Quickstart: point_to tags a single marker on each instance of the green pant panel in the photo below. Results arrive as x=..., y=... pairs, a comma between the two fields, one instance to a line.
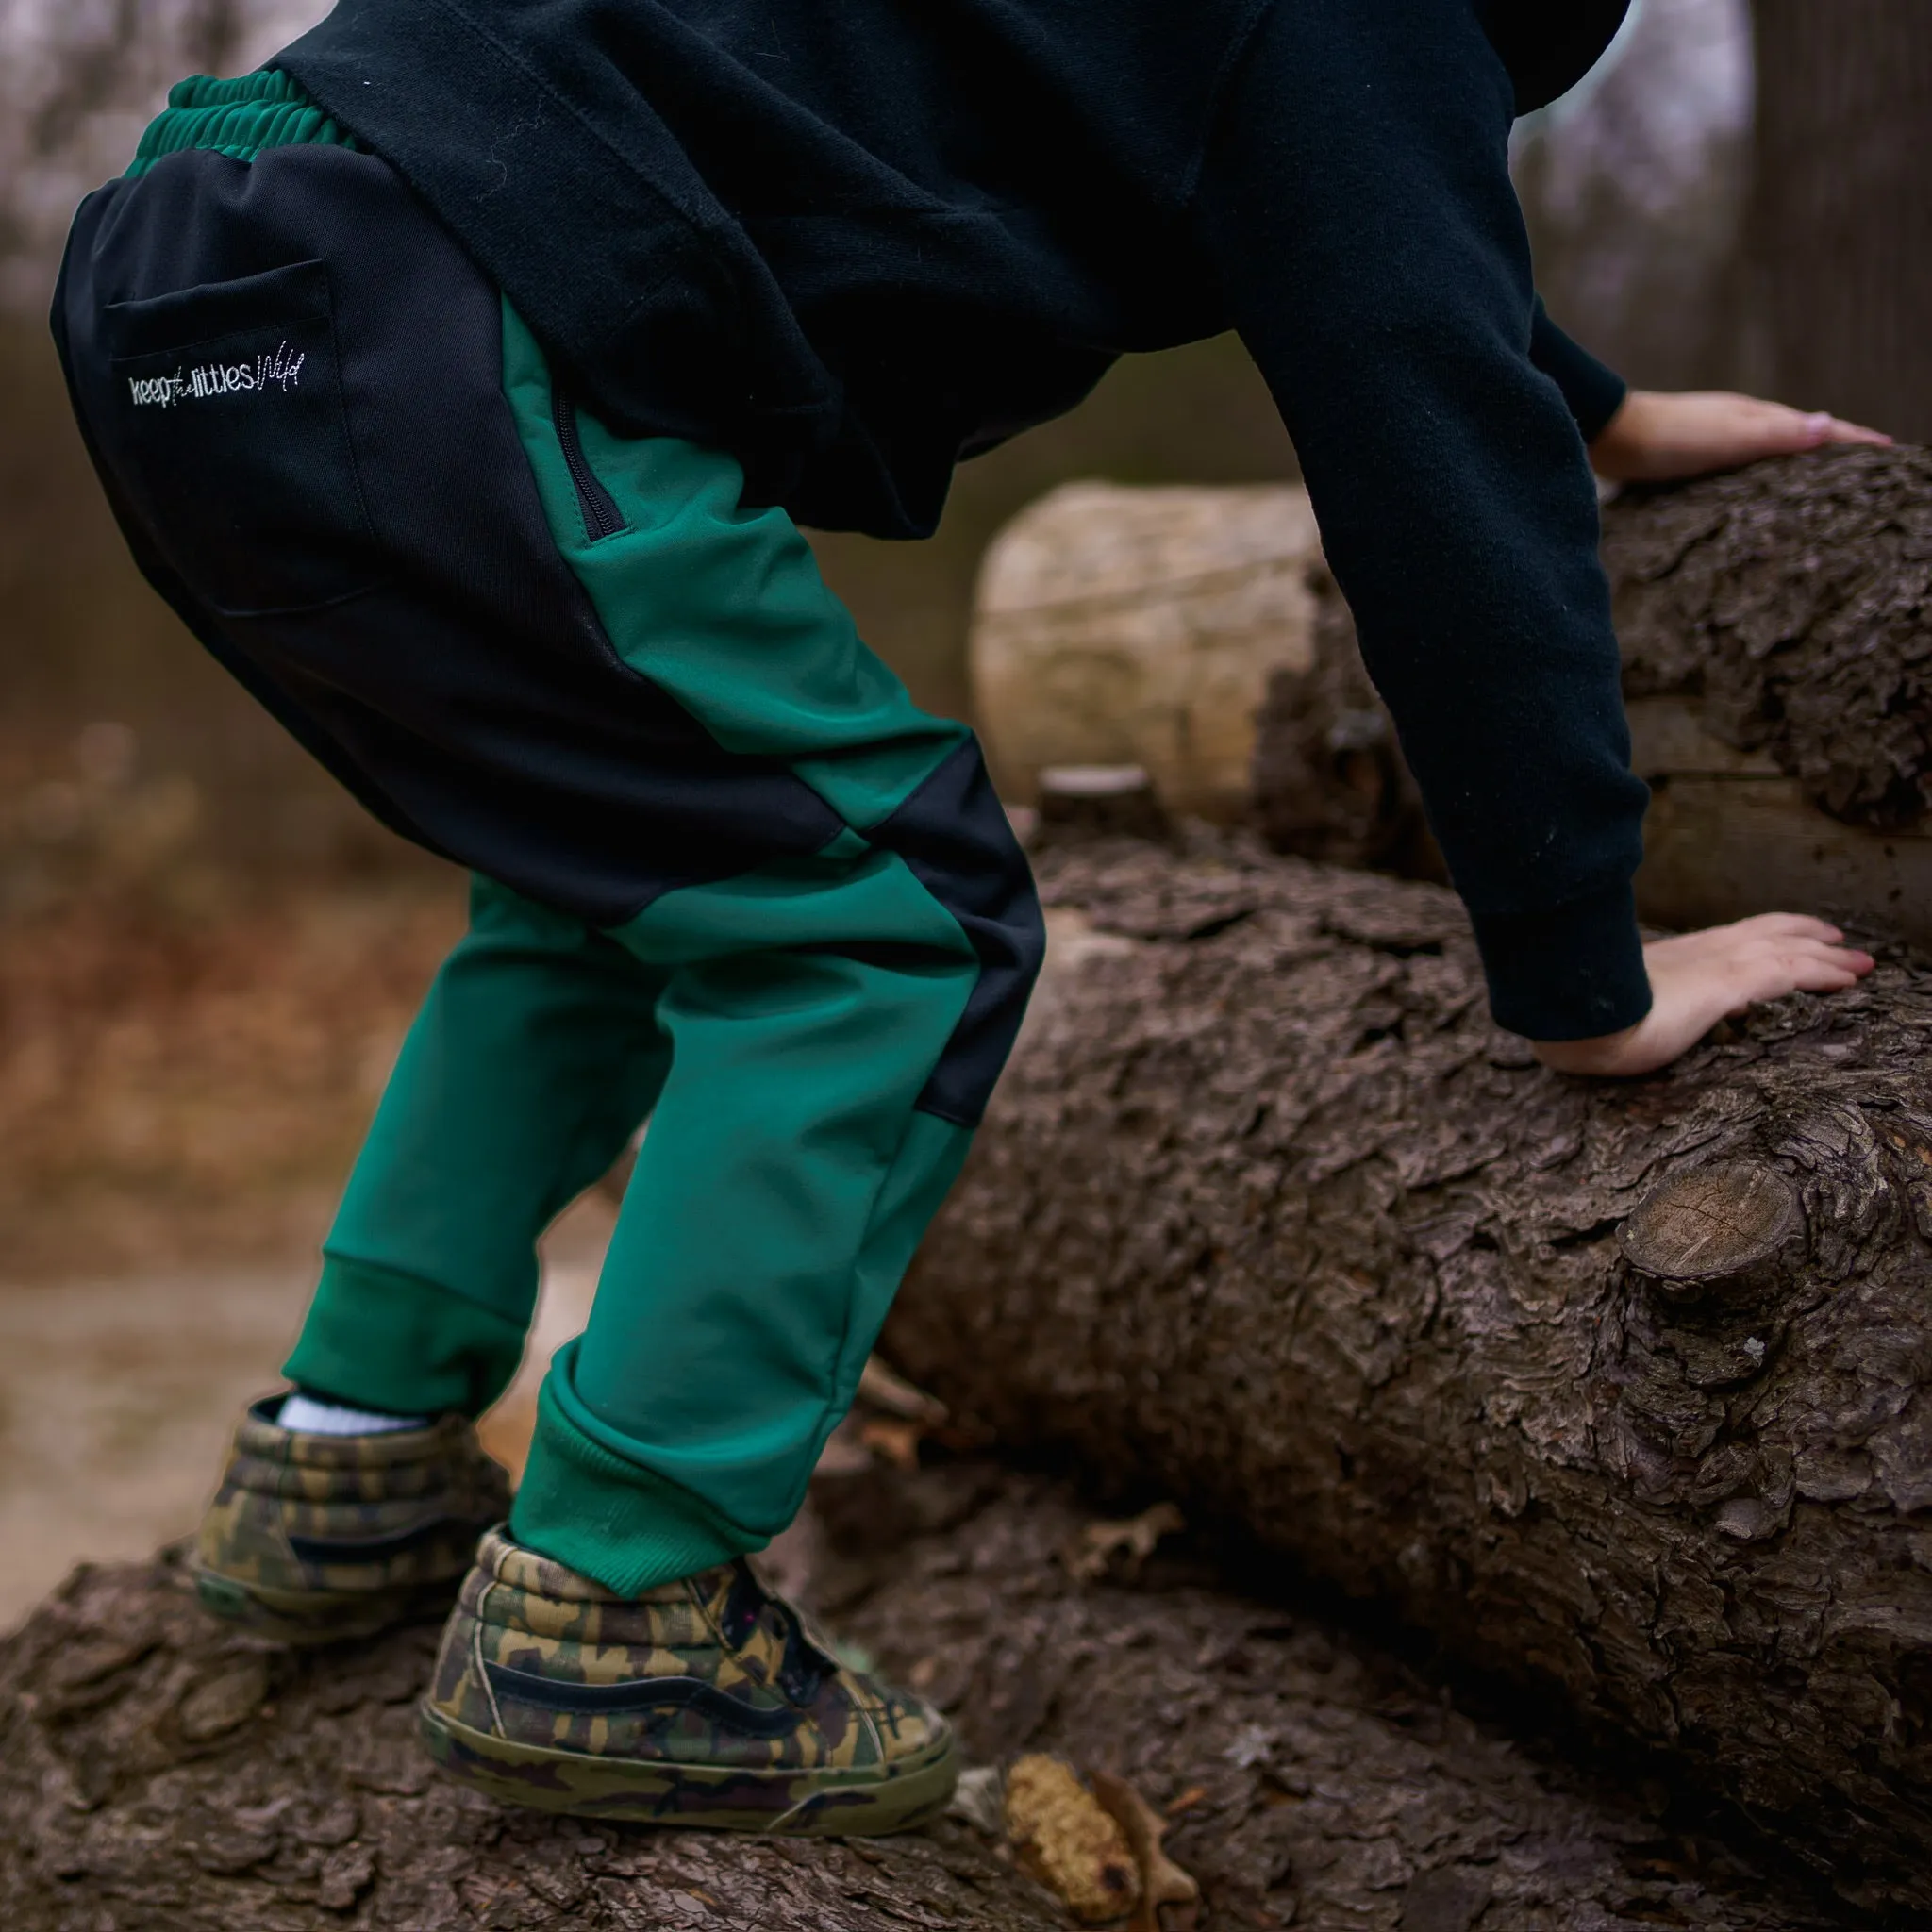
x=724, y=607
x=535, y=1056
x=778, y=1028
x=790, y=1101
x=779, y=1194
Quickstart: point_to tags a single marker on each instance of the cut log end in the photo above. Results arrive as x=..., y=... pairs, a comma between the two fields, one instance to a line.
x=1712, y=1226
x=1100, y=801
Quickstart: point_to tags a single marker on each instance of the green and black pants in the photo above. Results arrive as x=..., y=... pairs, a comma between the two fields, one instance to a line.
x=727, y=875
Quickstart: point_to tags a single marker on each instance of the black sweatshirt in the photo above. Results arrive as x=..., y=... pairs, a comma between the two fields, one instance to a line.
x=855, y=241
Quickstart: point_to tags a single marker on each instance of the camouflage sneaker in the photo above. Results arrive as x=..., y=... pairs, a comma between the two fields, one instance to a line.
x=706, y=1702
x=313, y=1538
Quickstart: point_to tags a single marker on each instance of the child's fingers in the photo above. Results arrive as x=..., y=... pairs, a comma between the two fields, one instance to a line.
x=1796, y=926
x=1716, y=940
x=1770, y=969
x=1828, y=428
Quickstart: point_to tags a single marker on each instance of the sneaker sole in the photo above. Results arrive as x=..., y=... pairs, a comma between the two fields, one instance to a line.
x=312, y=1617
x=830, y=1802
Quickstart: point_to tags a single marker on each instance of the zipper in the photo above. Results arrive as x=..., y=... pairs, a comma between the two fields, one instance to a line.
x=602, y=517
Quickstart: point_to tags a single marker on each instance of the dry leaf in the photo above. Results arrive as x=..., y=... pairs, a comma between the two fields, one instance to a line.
x=1187, y=1801
x=1069, y=1842
x=1124, y=1546
x=979, y=1799
x=883, y=1388
x=897, y=1442
x=1162, y=1882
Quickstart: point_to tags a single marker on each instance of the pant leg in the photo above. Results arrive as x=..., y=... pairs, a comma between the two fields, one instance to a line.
x=582, y=665
x=838, y=1018
x=532, y=1060
x=786, y=1177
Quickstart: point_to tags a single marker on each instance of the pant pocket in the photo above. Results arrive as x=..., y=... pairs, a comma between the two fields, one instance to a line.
x=225, y=428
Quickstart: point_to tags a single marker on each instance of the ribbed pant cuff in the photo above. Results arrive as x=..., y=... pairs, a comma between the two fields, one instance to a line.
x=612, y=1519
x=376, y=1338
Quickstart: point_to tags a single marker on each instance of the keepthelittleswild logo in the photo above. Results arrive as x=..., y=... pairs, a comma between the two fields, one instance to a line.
x=277, y=370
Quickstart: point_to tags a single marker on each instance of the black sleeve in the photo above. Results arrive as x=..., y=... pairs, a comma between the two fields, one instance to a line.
x=1355, y=201
x=1593, y=392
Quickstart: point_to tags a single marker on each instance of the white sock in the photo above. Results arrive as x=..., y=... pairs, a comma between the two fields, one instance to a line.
x=317, y=1418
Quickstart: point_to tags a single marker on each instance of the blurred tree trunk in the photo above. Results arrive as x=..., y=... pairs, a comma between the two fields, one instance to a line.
x=1842, y=217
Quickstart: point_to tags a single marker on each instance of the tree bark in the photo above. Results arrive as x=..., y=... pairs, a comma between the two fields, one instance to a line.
x=1776, y=631
x=1618, y=1389
x=1776, y=627
x=1792, y=604
x=157, y=1773
x=1841, y=225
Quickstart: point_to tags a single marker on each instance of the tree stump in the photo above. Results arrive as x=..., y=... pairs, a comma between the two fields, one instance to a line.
x=1137, y=627
x=161, y=1773
x=1620, y=1389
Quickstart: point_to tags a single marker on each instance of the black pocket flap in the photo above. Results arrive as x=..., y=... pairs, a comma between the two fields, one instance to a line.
x=177, y=321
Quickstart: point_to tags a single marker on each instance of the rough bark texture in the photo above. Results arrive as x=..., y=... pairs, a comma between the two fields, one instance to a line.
x=1840, y=228
x=1777, y=628
x=1328, y=779
x=157, y=1773
x=1794, y=601
x=1268, y=1215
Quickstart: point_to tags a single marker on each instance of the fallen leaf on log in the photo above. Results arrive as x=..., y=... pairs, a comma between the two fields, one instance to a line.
x=980, y=1799
x=897, y=1441
x=1068, y=1841
x=1120, y=1547
x=1162, y=1882
x=880, y=1386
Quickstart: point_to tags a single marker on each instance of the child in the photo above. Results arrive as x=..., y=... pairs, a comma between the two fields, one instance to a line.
x=461, y=381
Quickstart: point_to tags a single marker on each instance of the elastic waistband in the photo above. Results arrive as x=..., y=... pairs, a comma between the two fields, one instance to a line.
x=238, y=118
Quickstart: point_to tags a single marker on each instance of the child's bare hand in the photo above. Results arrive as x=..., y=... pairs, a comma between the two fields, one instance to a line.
x=1697, y=978
x=1658, y=437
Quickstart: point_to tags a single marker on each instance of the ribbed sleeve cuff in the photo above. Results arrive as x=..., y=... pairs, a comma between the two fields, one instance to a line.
x=1593, y=392
x=1571, y=973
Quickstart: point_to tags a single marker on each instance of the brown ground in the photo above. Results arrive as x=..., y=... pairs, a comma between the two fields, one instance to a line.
x=181, y=1088
x=184, y=1083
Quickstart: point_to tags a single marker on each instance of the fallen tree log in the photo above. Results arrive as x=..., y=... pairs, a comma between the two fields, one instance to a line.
x=1118, y=627
x=1777, y=628
x=1618, y=1388
x=158, y=1772
x=1776, y=632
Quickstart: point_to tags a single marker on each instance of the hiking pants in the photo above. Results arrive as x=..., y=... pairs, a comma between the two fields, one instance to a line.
x=727, y=875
